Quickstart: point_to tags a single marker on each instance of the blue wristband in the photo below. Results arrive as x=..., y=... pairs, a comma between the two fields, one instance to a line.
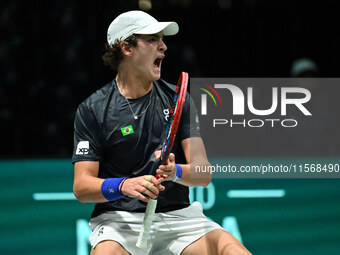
x=178, y=173
x=110, y=188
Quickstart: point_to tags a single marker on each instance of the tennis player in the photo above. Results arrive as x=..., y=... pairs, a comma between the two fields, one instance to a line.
x=117, y=137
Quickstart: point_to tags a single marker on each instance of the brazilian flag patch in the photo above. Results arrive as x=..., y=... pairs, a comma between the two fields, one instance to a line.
x=128, y=130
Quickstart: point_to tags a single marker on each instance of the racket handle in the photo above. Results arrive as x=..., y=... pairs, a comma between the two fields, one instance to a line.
x=147, y=222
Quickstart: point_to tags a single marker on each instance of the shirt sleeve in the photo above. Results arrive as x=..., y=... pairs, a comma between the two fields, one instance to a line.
x=87, y=136
x=189, y=124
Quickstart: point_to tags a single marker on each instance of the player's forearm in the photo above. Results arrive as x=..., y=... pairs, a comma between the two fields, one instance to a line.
x=88, y=190
x=197, y=158
x=190, y=177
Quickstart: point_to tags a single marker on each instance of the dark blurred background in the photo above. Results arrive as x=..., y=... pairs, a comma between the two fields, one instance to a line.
x=51, y=55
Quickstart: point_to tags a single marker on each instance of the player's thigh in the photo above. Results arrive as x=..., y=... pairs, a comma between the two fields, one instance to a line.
x=216, y=242
x=109, y=247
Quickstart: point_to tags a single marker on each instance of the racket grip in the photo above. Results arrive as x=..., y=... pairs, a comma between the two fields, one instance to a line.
x=147, y=222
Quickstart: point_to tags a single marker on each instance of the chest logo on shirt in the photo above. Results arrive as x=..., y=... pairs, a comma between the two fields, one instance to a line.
x=128, y=130
x=166, y=114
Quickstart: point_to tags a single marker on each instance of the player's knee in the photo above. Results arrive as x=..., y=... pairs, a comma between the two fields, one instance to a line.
x=234, y=249
x=109, y=248
x=107, y=252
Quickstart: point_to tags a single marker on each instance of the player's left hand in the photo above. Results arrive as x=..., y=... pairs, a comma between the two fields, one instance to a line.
x=166, y=172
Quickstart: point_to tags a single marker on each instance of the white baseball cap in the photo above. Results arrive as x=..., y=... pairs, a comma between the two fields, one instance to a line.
x=137, y=22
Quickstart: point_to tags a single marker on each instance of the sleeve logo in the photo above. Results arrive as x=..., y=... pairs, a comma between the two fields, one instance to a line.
x=83, y=148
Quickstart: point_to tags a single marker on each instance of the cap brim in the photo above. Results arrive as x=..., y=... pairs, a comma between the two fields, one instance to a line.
x=168, y=28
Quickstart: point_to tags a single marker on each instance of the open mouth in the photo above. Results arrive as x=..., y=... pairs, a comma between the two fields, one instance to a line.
x=157, y=63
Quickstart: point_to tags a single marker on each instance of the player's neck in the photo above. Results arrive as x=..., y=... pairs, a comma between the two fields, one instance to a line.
x=131, y=86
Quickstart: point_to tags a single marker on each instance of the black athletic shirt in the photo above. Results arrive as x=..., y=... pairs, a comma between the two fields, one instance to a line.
x=106, y=131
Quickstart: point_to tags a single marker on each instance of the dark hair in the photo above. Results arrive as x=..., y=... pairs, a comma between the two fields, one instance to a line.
x=113, y=55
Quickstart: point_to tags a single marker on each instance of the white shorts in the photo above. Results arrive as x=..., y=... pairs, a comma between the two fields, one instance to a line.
x=170, y=232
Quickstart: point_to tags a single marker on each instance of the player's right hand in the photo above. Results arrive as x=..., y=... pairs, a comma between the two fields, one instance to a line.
x=143, y=185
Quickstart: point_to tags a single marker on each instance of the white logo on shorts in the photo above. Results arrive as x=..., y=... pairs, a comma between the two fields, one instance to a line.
x=83, y=148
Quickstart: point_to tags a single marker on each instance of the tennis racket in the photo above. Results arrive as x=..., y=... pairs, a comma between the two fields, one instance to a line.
x=170, y=135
